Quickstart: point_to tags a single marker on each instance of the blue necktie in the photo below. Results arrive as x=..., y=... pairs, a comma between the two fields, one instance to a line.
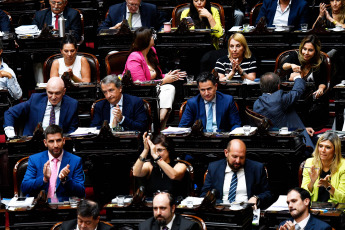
x=233, y=187
x=209, y=124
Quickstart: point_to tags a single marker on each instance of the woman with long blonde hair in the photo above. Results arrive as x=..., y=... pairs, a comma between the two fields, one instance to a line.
x=333, y=16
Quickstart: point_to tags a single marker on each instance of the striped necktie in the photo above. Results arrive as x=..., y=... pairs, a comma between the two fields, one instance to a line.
x=233, y=187
x=52, y=115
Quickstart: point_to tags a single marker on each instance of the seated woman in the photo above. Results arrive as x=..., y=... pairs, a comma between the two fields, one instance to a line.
x=144, y=66
x=239, y=64
x=333, y=16
x=308, y=63
x=76, y=66
x=204, y=16
x=324, y=173
x=162, y=172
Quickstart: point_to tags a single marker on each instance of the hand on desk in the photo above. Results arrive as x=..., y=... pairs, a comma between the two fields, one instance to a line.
x=288, y=226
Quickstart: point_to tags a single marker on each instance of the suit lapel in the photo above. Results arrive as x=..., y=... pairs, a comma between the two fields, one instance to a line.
x=221, y=178
x=106, y=112
x=42, y=109
x=48, y=18
x=202, y=115
x=63, y=111
x=127, y=107
x=249, y=179
x=310, y=224
x=177, y=222
x=143, y=16
x=218, y=110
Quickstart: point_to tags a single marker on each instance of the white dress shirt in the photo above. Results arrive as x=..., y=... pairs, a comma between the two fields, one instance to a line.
x=214, y=122
x=136, y=19
x=241, y=191
x=12, y=84
x=282, y=18
x=303, y=223
x=46, y=118
x=169, y=225
x=54, y=19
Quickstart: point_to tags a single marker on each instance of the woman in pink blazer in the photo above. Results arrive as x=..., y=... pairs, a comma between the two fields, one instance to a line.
x=144, y=66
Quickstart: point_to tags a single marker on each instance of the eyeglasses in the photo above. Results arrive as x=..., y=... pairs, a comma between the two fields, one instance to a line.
x=56, y=3
x=160, y=150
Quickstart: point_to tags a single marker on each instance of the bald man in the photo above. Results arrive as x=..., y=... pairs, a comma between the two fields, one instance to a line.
x=52, y=107
x=238, y=179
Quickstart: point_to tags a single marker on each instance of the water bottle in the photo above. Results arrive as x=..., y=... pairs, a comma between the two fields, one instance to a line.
x=61, y=26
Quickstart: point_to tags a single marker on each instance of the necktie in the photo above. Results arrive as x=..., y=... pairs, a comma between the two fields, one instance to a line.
x=209, y=126
x=165, y=228
x=297, y=227
x=52, y=180
x=57, y=21
x=52, y=116
x=233, y=187
x=130, y=20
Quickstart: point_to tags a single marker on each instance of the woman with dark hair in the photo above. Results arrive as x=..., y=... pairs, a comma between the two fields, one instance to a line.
x=162, y=172
x=324, y=173
x=239, y=64
x=308, y=63
x=143, y=64
x=204, y=16
x=333, y=16
x=77, y=66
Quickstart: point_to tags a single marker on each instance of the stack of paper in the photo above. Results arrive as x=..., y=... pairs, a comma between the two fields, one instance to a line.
x=27, y=29
x=21, y=202
x=279, y=205
x=85, y=131
x=195, y=200
x=176, y=130
x=239, y=131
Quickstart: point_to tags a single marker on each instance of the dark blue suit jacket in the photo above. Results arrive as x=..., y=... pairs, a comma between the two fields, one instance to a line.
x=5, y=24
x=133, y=110
x=298, y=12
x=33, y=182
x=148, y=14
x=256, y=181
x=180, y=223
x=227, y=114
x=73, y=21
x=33, y=111
x=313, y=223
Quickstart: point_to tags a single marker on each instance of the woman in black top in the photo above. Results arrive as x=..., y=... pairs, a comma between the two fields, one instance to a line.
x=333, y=16
x=308, y=63
x=162, y=173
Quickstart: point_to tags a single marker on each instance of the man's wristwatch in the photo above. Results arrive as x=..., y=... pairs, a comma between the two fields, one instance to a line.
x=257, y=200
x=157, y=159
x=142, y=159
x=329, y=188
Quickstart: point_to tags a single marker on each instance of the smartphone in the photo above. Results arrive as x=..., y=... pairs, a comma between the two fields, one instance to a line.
x=189, y=20
x=21, y=198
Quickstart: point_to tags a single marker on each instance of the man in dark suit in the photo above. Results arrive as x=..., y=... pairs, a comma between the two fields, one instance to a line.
x=217, y=111
x=298, y=200
x=236, y=178
x=164, y=216
x=277, y=105
x=288, y=12
x=138, y=14
x=5, y=24
x=52, y=107
x=55, y=170
x=51, y=16
x=119, y=109
x=88, y=218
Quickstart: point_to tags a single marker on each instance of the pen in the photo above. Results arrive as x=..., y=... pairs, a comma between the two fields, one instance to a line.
x=310, y=168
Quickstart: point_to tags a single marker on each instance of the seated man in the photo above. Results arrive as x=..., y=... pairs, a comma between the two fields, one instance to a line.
x=277, y=105
x=52, y=107
x=138, y=14
x=164, y=216
x=56, y=171
x=5, y=23
x=88, y=218
x=51, y=16
x=236, y=178
x=123, y=109
x=8, y=78
x=287, y=12
x=298, y=200
x=217, y=111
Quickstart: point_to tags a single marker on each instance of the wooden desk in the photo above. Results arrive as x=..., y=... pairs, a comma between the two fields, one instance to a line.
x=222, y=217
x=2, y=218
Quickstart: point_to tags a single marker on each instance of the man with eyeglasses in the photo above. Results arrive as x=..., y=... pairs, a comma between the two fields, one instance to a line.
x=164, y=217
x=50, y=16
x=52, y=107
x=137, y=13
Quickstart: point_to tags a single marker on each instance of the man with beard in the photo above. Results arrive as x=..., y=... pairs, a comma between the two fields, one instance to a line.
x=298, y=200
x=236, y=178
x=56, y=171
x=164, y=216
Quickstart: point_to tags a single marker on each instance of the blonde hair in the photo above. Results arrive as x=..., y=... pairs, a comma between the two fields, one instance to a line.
x=342, y=12
x=334, y=139
x=241, y=39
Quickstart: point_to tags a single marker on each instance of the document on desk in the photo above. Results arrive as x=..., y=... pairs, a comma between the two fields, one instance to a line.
x=21, y=202
x=85, y=131
x=279, y=205
x=239, y=131
x=176, y=130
